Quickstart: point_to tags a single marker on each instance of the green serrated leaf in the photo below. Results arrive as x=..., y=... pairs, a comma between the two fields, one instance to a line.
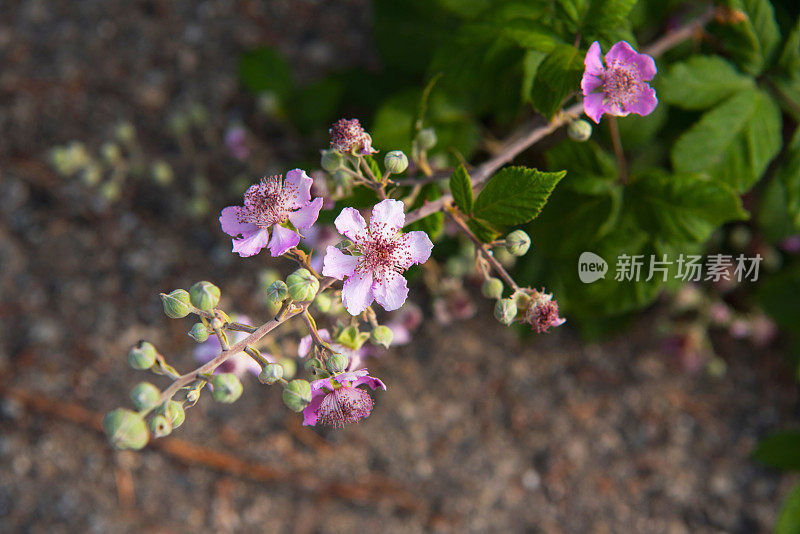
x=482, y=230
x=515, y=195
x=734, y=141
x=263, y=69
x=789, y=517
x=558, y=75
x=780, y=451
x=461, y=189
x=373, y=166
x=434, y=223
x=682, y=207
x=607, y=19
x=700, y=82
x=752, y=41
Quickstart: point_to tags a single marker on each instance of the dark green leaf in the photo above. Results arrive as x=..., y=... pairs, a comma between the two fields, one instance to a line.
x=789, y=59
x=606, y=19
x=734, y=141
x=530, y=66
x=558, y=75
x=700, y=82
x=780, y=451
x=682, y=207
x=263, y=69
x=373, y=166
x=515, y=195
x=461, y=189
x=482, y=230
x=789, y=517
x=432, y=224
x=751, y=41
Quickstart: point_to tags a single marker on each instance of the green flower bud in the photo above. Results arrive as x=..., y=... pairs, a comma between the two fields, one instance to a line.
x=277, y=292
x=302, y=285
x=338, y=363
x=145, y=395
x=227, y=388
x=271, y=373
x=297, y=395
x=142, y=356
x=174, y=412
x=331, y=160
x=395, y=162
x=505, y=310
x=492, y=288
x=313, y=365
x=351, y=338
x=426, y=138
x=125, y=429
x=160, y=426
x=199, y=332
x=522, y=300
x=579, y=130
x=204, y=296
x=381, y=335
x=289, y=367
x=177, y=304
x=518, y=243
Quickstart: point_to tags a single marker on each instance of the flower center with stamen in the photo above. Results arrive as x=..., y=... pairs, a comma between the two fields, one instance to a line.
x=621, y=84
x=268, y=202
x=344, y=405
x=381, y=255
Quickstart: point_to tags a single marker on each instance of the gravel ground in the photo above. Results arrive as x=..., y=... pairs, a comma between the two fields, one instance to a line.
x=479, y=431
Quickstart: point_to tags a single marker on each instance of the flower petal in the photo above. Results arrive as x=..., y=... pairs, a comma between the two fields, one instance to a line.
x=351, y=224
x=338, y=264
x=304, y=347
x=231, y=225
x=594, y=65
x=251, y=242
x=306, y=216
x=646, y=101
x=646, y=66
x=282, y=240
x=388, y=218
x=311, y=412
x=298, y=185
x=391, y=291
x=420, y=246
x=621, y=52
x=357, y=292
x=372, y=382
x=590, y=82
x=593, y=106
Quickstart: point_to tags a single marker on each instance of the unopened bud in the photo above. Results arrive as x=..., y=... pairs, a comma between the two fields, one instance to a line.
x=125, y=429
x=492, y=288
x=227, y=388
x=518, y=243
x=271, y=373
x=204, y=296
x=381, y=335
x=160, y=426
x=289, y=367
x=351, y=338
x=277, y=292
x=302, y=285
x=395, y=162
x=426, y=138
x=331, y=160
x=145, y=395
x=522, y=300
x=174, y=412
x=297, y=395
x=579, y=130
x=338, y=363
x=505, y=310
x=142, y=356
x=199, y=332
x=177, y=304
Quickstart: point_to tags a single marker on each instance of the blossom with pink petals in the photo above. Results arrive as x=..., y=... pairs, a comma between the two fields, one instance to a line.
x=543, y=313
x=620, y=87
x=283, y=205
x=384, y=252
x=238, y=364
x=337, y=400
x=348, y=137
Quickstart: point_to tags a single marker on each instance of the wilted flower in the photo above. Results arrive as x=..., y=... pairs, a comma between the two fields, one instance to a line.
x=238, y=364
x=385, y=253
x=542, y=314
x=355, y=356
x=348, y=137
x=282, y=205
x=620, y=87
x=337, y=400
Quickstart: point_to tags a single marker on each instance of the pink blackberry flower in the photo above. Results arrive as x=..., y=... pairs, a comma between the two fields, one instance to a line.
x=337, y=400
x=355, y=357
x=384, y=252
x=543, y=313
x=348, y=137
x=283, y=205
x=620, y=87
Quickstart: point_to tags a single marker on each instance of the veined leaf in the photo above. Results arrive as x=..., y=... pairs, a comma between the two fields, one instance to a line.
x=700, y=82
x=753, y=40
x=515, y=195
x=558, y=75
x=461, y=188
